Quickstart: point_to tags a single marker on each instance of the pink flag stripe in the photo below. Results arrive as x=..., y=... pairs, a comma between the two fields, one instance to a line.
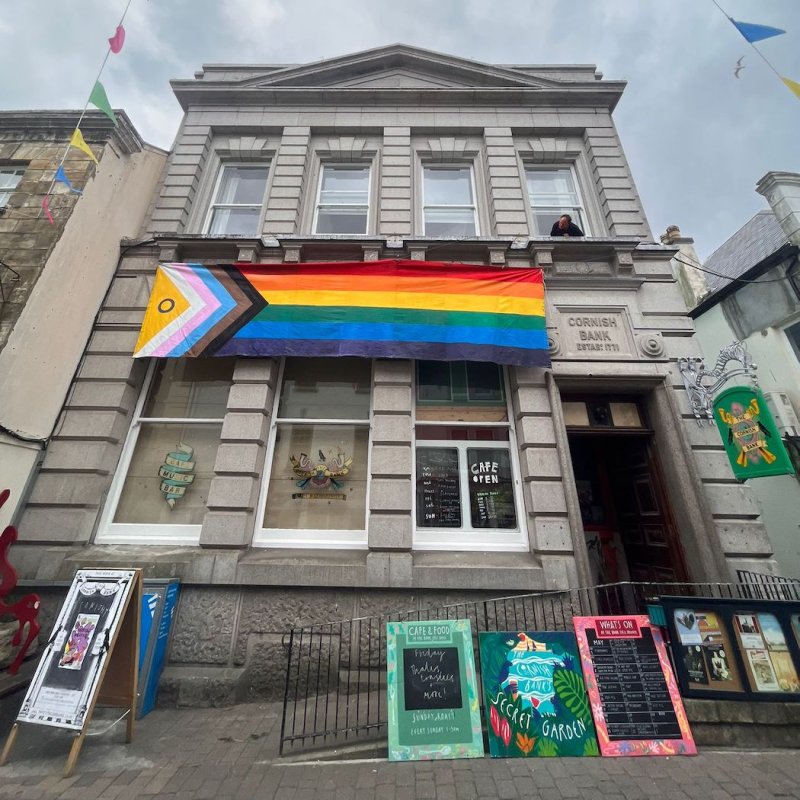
x=46, y=207
x=117, y=40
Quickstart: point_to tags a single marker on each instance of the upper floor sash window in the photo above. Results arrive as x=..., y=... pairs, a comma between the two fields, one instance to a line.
x=448, y=202
x=343, y=199
x=553, y=192
x=238, y=201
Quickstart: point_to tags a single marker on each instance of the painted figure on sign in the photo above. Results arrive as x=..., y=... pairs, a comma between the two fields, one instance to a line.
x=530, y=674
x=747, y=432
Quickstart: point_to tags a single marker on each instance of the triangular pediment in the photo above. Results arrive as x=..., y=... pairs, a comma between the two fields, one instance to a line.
x=398, y=67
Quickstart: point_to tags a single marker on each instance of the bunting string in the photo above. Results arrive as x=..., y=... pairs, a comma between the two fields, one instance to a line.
x=97, y=98
x=752, y=33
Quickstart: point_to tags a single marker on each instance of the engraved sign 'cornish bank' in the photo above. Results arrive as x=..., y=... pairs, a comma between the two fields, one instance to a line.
x=594, y=334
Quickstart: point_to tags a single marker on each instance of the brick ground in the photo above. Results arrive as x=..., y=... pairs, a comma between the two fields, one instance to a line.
x=231, y=754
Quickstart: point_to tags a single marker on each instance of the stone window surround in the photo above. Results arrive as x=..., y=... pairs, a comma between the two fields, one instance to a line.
x=222, y=153
x=569, y=152
x=467, y=152
x=338, y=151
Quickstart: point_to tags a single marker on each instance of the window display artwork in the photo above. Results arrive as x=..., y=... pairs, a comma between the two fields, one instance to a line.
x=319, y=477
x=177, y=473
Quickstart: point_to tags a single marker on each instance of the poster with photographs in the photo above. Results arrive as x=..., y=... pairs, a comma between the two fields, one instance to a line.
x=766, y=653
x=748, y=631
x=67, y=677
x=695, y=664
x=706, y=651
x=762, y=672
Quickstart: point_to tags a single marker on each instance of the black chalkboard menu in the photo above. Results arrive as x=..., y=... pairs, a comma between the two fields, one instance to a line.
x=634, y=694
x=432, y=678
x=491, y=488
x=438, y=494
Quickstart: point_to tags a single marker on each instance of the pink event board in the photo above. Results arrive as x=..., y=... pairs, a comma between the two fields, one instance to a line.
x=635, y=701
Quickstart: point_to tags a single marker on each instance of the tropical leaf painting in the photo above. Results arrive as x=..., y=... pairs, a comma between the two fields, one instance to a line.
x=535, y=698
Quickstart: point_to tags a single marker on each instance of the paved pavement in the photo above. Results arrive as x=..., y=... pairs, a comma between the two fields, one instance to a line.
x=231, y=753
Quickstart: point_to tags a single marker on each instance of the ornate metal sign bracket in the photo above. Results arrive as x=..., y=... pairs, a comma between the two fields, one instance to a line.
x=703, y=384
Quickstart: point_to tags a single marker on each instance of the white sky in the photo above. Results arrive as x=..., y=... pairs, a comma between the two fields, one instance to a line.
x=697, y=139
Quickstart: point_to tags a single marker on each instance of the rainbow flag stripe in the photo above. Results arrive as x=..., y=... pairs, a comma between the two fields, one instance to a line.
x=377, y=309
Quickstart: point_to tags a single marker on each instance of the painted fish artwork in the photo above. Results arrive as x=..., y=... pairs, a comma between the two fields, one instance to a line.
x=177, y=473
x=534, y=694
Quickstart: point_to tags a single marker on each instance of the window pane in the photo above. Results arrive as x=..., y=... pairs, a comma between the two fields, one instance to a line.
x=448, y=187
x=793, y=333
x=449, y=222
x=350, y=180
x=235, y=221
x=190, y=387
x=10, y=178
x=142, y=499
x=484, y=382
x=491, y=488
x=438, y=488
x=319, y=478
x=242, y=185
x=545, y=219
x=342, y=220
x=434, y=382
x=550, y=182
x=325, y=388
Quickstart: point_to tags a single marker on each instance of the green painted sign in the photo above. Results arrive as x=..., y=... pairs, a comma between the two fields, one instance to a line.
x=432, y=691
x=751, y=440
x=535, y=698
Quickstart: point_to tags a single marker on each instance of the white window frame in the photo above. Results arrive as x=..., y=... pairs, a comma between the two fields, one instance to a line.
x=473, y=188
x=342, y=165
x=212, y=205
x=581, y=207
x=110, y=532
x=331, y=539
x=7, y=192
x=464, y=538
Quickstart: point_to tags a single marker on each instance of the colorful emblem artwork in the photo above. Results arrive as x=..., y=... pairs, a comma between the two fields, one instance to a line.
x=320, y=478
x=535, y=698
x=751, y=439
x=377, y=309
x=177, y=473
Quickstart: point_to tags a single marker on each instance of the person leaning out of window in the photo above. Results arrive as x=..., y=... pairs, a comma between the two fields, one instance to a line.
x=564, y=226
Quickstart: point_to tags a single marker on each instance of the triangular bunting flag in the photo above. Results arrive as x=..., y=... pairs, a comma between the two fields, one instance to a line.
x=46, y=207
x=117, y=40
x=62, y=177
x=99, y=98
x=755, y=33
x=793, y=85
x=78, y=141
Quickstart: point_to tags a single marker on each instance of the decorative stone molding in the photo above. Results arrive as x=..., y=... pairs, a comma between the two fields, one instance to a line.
x=623, y=262
x=446, y=148
x=651, y=344
x=553, y=343
x=243, y=148
x=344, y=148
x=547, y=149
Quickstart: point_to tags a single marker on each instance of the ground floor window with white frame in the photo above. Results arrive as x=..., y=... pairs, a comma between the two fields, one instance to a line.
x=466, y=468
x=160, y=492
x=315, y=490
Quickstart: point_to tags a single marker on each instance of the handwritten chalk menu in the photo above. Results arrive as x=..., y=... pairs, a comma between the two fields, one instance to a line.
x=438, y=494
x=491, y=488
x=432, y=691
x=635, y=700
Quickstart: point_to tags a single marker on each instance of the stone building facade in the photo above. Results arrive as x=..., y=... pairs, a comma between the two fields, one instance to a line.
x=54, y=276
x=392, y=153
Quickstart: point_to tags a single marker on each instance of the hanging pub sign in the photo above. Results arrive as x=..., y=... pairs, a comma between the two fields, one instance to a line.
x=635, y=701
x=432, y=691
x=749, y=434
x=534, y=695
x=377, y=309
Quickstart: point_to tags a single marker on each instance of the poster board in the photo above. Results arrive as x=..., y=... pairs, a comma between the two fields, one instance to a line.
x=635, y=701
x=91, y=657
x=534, y=695
x=438, y=492
x=432, y=691
x=159, y=602
x=758, y=639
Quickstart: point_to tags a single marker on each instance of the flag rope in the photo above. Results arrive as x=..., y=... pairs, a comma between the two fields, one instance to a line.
x=44, y=207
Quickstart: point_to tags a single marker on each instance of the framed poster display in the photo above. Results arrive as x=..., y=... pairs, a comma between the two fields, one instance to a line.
x=432, y=691
x=92, y=656
x=534, y=695
x=635, y=702
x=746, y=648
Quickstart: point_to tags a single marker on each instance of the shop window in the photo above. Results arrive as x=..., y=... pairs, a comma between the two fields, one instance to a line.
x=316, y=491
x=9, y=180
x=161, y=489
x=342, y=199
x=467, y=485
x=448, y=201
x=551, y=193
x=236, y=208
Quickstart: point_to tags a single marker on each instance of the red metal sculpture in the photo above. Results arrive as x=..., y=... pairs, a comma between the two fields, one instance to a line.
x=26, y=609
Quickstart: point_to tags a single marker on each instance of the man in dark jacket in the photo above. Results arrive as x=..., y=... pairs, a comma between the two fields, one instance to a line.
x=565, y=227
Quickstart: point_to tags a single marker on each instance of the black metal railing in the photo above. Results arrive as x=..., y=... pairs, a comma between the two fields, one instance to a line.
x=336, y=671
x=763, y=586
